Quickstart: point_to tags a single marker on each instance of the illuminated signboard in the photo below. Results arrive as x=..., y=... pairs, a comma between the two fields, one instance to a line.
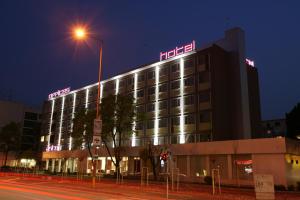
x=250, y=62
x=178, y=51
x=243, y=162
x=59, y=93
x=53, y=148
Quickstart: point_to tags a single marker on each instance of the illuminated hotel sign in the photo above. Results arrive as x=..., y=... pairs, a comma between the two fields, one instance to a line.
x=243, y=162
x=250, y=62
x=59, y=93
x=53, y=148
x=178, y=51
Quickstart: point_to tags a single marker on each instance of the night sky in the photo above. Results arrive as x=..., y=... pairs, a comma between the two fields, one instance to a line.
x=38, y=56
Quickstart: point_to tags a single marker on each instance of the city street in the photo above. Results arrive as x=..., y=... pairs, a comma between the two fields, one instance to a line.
x=34, y=188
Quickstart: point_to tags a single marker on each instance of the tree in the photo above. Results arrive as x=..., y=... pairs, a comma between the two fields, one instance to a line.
x=82, y=132
x=293, y=122
x=10, y=137
x=152, y=154
x=118, y=113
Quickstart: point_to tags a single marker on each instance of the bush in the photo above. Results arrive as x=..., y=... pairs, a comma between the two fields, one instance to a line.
x=208, y=180
x=291, y=188
x=298, y=186
x=279, y=187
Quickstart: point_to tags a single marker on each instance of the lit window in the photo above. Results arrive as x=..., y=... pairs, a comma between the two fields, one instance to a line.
x=42, y=138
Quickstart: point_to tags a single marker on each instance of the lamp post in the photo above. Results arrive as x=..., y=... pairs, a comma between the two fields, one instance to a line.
x=80, y=33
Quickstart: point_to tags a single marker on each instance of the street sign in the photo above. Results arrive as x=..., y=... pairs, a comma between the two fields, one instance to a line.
x=97, y=126
x=96, y=140
x=264, y=186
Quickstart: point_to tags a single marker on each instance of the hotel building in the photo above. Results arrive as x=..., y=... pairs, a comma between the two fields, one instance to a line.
x=193, y=98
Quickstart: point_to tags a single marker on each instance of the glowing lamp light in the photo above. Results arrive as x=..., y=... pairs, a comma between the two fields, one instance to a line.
x=80, y=33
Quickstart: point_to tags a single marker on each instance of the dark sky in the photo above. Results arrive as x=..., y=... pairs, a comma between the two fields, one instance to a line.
x=38, y=56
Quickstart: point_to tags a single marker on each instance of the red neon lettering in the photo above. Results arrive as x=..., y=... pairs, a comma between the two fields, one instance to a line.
x=177, y=51
x=244, y=162
x=171, y=53
x=188, y=47
x=163, y=54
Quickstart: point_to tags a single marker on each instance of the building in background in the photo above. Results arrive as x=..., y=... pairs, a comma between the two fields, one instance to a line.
x=29, y=119
x=203, y=103
x=274, y=128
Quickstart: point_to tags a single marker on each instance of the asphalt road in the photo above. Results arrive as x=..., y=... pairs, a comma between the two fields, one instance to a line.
x=33, y=188
x=39, y=188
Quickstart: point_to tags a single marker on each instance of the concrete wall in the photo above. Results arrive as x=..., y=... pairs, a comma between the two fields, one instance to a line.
x=273, y=164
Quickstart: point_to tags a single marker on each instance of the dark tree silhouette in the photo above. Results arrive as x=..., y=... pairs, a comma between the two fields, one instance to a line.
x=10, y=137
x=293, y=122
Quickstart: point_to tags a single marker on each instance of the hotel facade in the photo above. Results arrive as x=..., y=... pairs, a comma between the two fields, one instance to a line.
x=200, y=103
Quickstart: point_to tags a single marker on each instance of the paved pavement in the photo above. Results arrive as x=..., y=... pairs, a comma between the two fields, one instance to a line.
x=16, y=187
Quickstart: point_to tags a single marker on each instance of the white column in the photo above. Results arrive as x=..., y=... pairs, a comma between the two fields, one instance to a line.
x=133, y=142
x=86, y=108
x=61, y=122
x=116, y=93
x=182, y=136
x=51, y=120
x=59, y=165
x=73, y=115
x=52, y=165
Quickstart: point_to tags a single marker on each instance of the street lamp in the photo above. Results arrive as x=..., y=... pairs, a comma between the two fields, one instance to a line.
x=81, y=33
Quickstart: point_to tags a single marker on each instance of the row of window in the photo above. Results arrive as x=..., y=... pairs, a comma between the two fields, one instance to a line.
x=188, y=100
x=203, y=96
x=189, y=81
x=204, y=116
x=174, y=121
x=174, y=85
x=162, y=140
